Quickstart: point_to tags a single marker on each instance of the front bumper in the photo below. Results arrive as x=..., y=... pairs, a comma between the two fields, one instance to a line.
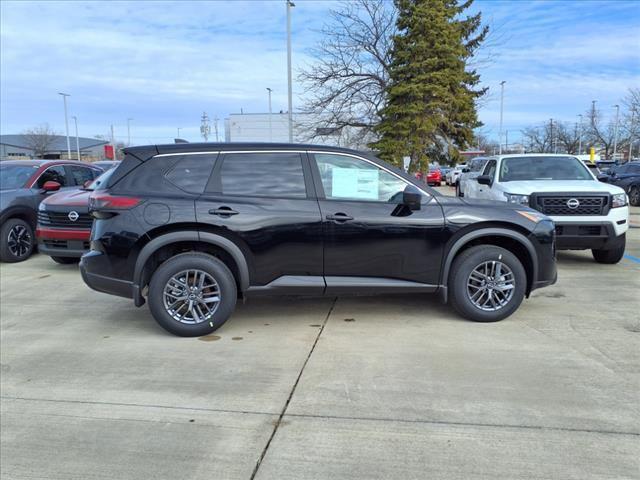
x=62, y=242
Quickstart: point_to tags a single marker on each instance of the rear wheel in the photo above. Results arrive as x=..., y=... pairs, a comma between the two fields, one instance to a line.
x=613, y=255
x=192, y=294
x=65, y=260
x=487, y=283
x=634, y=195
x=16, y=241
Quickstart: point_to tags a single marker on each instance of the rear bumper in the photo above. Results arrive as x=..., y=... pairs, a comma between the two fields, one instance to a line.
x=100, y=283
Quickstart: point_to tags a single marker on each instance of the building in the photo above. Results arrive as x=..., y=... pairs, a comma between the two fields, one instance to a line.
x=16, y=147
x=264, y=127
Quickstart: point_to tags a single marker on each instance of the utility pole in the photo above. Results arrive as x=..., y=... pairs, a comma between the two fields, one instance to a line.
x=506, y=141
x=66, y=122
x=205, y=128
x=580, y=136
x=129, y=131
x=270, y=124
x=75, y=119
x=290, y=4
x=633, y=112
x=501, y=113
x=615, y=132
x=113, y=144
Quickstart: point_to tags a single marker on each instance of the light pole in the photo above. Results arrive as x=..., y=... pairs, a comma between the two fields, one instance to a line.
x=615, y=132
x=290, y=4
x=129, y=131
x=113, y=144
x=270, y=125
x=501, y=113
x=66, y=122
x=633, y=113
x=75, y=119
x=580, y=136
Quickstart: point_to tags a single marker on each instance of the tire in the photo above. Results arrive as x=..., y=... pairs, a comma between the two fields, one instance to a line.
x=458, y=191
x=223, y=287
x=613, y=255
x=439, y=184
x=16, y=241
x=65, y=260
x=634, y=195
x=461, y=294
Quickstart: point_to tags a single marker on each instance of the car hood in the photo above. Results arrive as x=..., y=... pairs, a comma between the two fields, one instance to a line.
x=527, y=187
x=69, y=198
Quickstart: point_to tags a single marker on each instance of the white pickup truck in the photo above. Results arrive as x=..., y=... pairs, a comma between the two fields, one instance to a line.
x=588, y=214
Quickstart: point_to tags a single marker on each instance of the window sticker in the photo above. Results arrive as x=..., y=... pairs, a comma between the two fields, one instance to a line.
x=355, y=183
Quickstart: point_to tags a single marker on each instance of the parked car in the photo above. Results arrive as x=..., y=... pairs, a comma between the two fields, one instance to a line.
x=64, y=223
x=183, y=226
x=434, y=176
x=588, y=214
x=451, y=178
x=470, y=172
x=627, y=177
x=107, y=164
x=23, y=185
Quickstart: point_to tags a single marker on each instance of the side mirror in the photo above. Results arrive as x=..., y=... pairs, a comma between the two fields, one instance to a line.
x=87, y=183
x=602, y=178
x=485, y=180
x=51, y=186
x=466, y=170
x=411, y=197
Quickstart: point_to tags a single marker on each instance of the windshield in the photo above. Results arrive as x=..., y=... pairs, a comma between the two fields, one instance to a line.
x=15, y=176
x=100, y=183
x=516, y=169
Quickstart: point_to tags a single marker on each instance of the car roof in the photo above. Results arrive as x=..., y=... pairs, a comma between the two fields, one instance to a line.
x=559, y=155
x=144, y=151
x=40, y=162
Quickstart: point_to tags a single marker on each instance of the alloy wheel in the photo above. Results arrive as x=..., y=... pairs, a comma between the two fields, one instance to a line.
x=191, y=296
x=490, y=285
x=19, y=241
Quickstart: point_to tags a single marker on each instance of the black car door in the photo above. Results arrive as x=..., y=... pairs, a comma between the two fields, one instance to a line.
x=265, y=203
x=368, y=232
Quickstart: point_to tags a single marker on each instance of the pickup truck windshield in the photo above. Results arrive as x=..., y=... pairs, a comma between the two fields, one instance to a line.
x=516, y=169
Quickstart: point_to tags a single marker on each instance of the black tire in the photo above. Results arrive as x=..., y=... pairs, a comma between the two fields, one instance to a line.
x=458, y=191
x=634, y=195
x=192, y=261
x=16, y=241
x=65, y=260
x=613, y=255
x=465, y=263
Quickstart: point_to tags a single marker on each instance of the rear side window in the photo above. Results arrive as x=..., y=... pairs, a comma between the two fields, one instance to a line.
x=263, y=175
x=192, y=172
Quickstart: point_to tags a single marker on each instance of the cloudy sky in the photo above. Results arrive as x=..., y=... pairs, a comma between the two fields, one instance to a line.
x=164, y=63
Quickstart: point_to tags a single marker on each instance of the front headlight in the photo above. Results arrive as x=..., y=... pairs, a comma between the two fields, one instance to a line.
x=517, y=198
x=532, y=215
x=619, y=200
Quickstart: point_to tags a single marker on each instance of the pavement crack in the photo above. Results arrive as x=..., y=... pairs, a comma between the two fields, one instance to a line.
x=293, y=390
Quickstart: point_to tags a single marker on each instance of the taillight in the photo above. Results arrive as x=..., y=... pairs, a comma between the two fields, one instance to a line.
x=105, y=201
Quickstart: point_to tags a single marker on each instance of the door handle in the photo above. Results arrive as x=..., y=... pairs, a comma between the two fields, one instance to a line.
x=223, y=212
x=340, y=217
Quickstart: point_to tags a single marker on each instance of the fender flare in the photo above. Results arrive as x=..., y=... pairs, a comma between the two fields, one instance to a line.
x=20, y=210
x=486, y=232
x=192, y=236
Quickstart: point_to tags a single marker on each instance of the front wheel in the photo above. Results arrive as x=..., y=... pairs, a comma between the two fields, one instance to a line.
x=634, y=195
x=192, y=294
x=487, y=283
x=16, y=241
x=613, y=255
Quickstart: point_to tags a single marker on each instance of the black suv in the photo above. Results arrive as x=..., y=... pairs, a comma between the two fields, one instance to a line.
x=194, y=227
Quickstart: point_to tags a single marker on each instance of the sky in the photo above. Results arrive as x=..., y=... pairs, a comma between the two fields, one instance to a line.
x=164, y=63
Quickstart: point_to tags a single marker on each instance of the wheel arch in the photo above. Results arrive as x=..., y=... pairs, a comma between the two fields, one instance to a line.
x=24, y=213
x=509, y=239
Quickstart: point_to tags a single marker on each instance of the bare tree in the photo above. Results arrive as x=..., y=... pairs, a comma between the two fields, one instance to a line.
x=346, y=84
x=39, y=139
x=539, y=139
x=568, y=138
x=602, y=134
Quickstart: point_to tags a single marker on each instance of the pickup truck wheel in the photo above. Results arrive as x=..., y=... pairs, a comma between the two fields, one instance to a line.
x=487, y=283
x=634, y=196
x=192, y=294
x=613, y=255
x=65, y=260
x=16, y=241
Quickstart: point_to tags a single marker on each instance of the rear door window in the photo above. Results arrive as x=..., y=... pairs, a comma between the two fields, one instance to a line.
x=262, y=174
x=192, y=172
x=80, y=175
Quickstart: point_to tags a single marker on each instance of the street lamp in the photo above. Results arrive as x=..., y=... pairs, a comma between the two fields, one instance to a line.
x=501, y=113
x=66, y=122
x=290, y=4
x=75, y=119
x=615, y=132
x=270, y=125
x=129, y=131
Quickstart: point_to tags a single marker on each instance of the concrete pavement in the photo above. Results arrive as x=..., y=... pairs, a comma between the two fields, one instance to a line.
x=362, y=387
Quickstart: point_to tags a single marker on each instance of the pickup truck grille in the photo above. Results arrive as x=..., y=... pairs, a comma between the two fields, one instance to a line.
x=571, y=204
x=62, y=220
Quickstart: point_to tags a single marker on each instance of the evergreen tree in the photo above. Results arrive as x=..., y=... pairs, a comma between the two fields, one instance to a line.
x=431, y=94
